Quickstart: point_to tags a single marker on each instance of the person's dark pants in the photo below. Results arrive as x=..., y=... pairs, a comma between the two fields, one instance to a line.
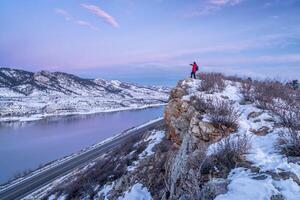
x=193, y=74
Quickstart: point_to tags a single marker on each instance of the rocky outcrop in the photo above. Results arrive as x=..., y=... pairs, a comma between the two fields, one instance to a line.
x=182, y=117
x=262, y=131
x=191, y=136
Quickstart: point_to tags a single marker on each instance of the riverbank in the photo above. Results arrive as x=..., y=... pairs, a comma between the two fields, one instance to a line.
x=100, y=110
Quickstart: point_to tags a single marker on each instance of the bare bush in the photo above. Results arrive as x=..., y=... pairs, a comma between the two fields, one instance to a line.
x=246, y=90
x=234, y=78
x=294, y=84
x=288, y=142
x=289, y=115
x=212, y=82
x=199, y=103
x=104, y=170
x=228, y=154
x=222, y=113
x=267, y=91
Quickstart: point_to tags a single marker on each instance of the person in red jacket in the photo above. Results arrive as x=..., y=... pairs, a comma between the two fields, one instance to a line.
x=194, y=69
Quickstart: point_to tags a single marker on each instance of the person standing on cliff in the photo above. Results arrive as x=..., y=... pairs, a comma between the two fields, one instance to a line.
x=194, y=69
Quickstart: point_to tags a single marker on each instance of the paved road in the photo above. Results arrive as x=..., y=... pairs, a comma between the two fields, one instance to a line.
x=31, y=184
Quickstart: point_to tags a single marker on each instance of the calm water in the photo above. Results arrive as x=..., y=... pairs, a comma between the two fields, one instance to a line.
x=27, y=145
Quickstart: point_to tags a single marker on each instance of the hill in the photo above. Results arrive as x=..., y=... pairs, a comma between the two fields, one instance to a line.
x=27, y=95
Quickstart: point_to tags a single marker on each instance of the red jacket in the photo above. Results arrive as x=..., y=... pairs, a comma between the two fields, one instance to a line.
x=194, y=69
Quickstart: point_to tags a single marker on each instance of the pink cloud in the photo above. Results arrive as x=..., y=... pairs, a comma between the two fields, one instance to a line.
x=86, y=24
x=224, y=2
x=102, y=14
x=211, y=6
x=69, y=18
x=63, y=13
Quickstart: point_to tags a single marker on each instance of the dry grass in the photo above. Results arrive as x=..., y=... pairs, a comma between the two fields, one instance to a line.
x=288, y=142
x=199, y=103
x=103, y=171
x=246, y=90
x=266, y=92
x=289, y=115
x=222, y=113
x=212, y=82
x=228, y=154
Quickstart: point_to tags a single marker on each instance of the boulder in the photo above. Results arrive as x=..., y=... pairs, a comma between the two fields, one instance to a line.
x=254, y=115
x=262, y=131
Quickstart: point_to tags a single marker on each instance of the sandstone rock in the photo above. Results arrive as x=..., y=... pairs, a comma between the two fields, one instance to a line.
x=254, y=115
x=244, y=102
x=262, y=131
x=177, y=93
x=284, y=176
x=190, y=137
x=269, y=120
x=224, y=97
x=277, y=197
x=214, y=188
x=260, y=177
x=294, y=159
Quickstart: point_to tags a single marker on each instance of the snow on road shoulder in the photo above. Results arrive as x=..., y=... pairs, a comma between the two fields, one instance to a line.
x=137, y=192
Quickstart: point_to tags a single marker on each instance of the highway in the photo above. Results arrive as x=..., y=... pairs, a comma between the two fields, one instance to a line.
x=31, y=184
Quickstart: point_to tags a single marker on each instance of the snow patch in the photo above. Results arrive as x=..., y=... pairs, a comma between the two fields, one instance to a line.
x=137, y=192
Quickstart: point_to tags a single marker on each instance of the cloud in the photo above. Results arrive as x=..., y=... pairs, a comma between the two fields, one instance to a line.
x=79, y=22
x=211, y=6
x=102, y=14
x=63, y=13
x=86, y=24
x=224, y=2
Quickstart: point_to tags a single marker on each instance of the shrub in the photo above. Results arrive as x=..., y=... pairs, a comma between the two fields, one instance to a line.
x=246, y=90
x=234, y=78
x=288, y=142
x=212, y=82
x=294, y=84
x=104, y=170
x=221, y=112
x=227, y=154
x=265, y=92
x=199, y=103
x=289, y=115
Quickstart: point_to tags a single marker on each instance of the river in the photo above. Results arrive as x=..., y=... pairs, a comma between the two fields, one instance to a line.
x=27, y=145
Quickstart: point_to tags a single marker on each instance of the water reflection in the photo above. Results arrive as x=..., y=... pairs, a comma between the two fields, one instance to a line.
x=26, y=145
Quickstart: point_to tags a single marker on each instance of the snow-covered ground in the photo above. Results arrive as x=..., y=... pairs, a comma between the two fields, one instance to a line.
x=154, y=139
x=31, y=96
x=138, y=191
x=263, y=155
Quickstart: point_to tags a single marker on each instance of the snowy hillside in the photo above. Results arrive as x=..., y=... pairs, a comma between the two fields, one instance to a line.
x=224, y=138
x=27, y=95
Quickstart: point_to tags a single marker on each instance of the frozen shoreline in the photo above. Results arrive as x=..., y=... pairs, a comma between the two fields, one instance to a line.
x=44, y=116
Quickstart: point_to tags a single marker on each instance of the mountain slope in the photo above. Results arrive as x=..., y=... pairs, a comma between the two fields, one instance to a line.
x=224, y=138
x=27, y=94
